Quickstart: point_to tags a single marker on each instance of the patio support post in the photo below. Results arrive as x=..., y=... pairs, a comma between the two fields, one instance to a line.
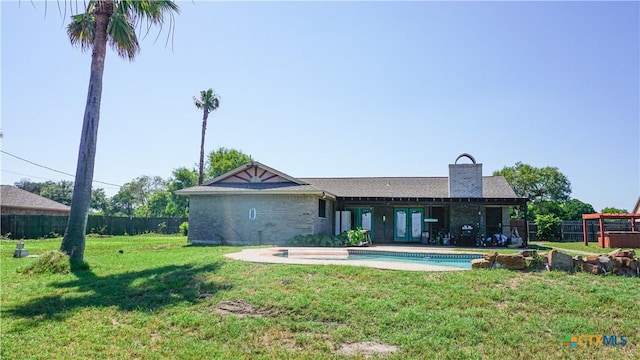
x=584, y=232
x=526, y=227
x=601, y=222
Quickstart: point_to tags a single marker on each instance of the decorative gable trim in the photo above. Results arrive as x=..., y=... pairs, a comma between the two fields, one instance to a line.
x=254, y=172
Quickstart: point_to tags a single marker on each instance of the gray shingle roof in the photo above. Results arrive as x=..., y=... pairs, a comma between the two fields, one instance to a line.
x=13, y=197
x=422, y=187
x=231, y=188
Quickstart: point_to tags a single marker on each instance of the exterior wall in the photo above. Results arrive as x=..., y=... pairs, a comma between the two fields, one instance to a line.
x=465, y=215
x=465, y=180
x=506, y=222
x=224, y=219
x=324, y=226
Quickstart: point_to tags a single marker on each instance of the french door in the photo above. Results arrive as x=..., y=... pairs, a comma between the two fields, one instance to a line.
x=408, y=224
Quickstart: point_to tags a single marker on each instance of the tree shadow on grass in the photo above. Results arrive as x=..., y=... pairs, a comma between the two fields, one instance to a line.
x=146, y=290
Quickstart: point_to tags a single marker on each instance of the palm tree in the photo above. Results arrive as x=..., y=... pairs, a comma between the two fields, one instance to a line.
x=208, y=102
x=112, y=21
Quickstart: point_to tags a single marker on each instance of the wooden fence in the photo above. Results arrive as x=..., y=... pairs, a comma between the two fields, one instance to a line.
x=42, y=226
x=572, y=230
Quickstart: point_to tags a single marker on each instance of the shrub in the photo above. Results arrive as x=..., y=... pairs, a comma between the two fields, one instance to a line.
x=548, y=227
x=315, y=240
x=355, y=236
x=184, y=228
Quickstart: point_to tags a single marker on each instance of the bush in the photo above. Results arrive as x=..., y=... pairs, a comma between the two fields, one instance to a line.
x=355, y=237
x=548, y=227
x=184, y=228
x=315, y=240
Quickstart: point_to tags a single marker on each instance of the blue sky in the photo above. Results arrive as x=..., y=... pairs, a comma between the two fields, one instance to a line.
x=320, y=89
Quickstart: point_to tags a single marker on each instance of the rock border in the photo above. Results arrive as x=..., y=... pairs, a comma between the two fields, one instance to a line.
x=618, y=262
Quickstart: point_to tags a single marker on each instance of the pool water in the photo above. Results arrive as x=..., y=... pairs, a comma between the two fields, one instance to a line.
x=460, y=261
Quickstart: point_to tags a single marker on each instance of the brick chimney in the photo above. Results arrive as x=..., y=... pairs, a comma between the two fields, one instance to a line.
x=465, y=180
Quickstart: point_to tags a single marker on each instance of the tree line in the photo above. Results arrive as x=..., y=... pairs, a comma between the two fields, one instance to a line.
x=548, y=190
x=549, y=194
x=144, y=196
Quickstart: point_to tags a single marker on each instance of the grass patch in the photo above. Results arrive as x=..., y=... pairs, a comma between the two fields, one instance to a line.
x=152, y=297
x=575, y=247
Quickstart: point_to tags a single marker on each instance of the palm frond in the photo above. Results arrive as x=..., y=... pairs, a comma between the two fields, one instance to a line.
x=208, y=100
x=127, y=15
x=122, y=36
x=81, y=29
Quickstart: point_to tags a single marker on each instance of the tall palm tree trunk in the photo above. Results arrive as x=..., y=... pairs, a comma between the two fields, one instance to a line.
x=74, y=236
x=204, y=130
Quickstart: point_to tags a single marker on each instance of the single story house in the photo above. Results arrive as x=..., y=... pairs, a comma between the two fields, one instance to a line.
x=256, y=204
x=15, y=201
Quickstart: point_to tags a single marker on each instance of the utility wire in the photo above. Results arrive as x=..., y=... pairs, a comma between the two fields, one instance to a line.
x=42, y=178
x=54, y=170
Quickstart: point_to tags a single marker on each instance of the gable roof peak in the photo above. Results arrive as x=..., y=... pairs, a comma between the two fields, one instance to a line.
x=254, y=172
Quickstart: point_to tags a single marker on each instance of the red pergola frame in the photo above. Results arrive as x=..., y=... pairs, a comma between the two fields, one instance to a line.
x=600, y=218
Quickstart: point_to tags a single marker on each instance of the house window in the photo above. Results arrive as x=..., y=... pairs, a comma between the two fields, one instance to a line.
x=322, y=208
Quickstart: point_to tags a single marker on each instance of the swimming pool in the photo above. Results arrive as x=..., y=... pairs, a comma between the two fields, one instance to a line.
x=458, y=261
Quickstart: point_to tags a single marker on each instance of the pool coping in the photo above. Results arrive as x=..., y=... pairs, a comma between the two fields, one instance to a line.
x=267, y=255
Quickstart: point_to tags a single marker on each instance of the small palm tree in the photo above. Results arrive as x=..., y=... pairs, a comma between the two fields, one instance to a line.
x=113, y=22
x=208, y=102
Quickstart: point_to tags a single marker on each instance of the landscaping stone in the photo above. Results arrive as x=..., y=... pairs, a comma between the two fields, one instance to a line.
x=606, y=262
x=511, y=261
x=528, y=252
x=491, y=257
x=625, y=264
x=591, y=268
x=560, y=261
x=623, y=253
x=480, y=264
x=592, y=259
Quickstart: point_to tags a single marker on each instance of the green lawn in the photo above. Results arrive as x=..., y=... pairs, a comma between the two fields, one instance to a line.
x=157, y=300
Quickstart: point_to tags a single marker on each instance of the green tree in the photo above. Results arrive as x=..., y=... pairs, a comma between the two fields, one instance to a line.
x=115, y=22
x=100, y=202
x=182, y=178
x=132, y=198
x=613, y=210
x=60, y=191
x=158, y=204
x=574, y=208
x=208, y=102
x=31, y=186
x=537, y=184
x=546, y=188
x=547, y=208
x=223, y=160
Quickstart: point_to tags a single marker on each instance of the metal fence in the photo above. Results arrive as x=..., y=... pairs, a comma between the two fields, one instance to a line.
x=42, y=226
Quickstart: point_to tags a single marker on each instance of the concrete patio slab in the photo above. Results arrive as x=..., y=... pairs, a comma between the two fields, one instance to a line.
x=332, y=256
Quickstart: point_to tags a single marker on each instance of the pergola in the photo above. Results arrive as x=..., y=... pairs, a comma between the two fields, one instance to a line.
x=600, y=218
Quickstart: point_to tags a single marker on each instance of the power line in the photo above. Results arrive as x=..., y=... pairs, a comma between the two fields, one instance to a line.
x=54, y=170
x=42, y=178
